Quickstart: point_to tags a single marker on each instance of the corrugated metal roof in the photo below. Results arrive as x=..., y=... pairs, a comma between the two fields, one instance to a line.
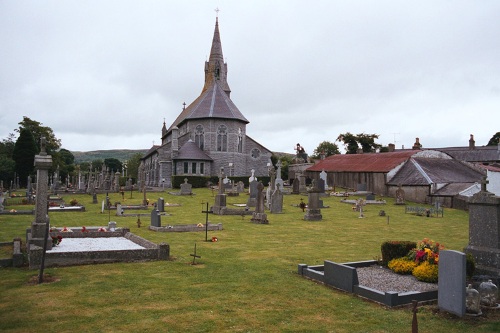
x=190, y=151
x=371, y=162
x=212, y=103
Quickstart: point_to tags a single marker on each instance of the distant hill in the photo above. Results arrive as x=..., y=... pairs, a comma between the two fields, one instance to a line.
x=120, y=154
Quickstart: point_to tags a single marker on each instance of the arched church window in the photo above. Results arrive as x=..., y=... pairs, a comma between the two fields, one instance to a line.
x=222, y=138
x=199, y=137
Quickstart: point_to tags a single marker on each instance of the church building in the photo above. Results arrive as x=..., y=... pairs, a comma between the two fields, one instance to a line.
x=209, y=134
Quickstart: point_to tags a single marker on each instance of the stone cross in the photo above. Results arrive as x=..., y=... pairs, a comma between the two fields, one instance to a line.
x=221, y=176
x=484, y=182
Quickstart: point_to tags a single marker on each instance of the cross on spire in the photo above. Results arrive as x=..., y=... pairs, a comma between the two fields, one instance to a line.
x=217, y=12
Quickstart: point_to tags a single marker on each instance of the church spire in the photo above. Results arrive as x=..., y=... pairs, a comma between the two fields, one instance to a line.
x=215, y=68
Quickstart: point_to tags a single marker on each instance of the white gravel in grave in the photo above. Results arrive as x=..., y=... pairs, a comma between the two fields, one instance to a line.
x=95, y=244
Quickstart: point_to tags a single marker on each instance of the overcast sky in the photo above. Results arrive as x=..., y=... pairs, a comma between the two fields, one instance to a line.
x=105, y=74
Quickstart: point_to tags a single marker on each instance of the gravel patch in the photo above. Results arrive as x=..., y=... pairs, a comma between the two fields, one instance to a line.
x=94, y=244
x=383, y=279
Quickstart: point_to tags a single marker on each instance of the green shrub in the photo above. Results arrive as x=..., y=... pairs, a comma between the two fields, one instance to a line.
x=470, y=265
x=73, y=202
x=395, y=249
x=426, y=272
x=402, y=265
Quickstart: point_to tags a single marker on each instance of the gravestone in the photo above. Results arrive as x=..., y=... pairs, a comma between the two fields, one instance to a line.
x=144, y=199
x=220, y=198
x=277, y=200
x=361, y=187
x=94, y=198
x=240, y=187
x=186, y=188
x=400, y=195
x=484, y=232
x=451, y=282
x=259, y=216
x=43, y=163
x=279, y=180
x=370, y=196
x=295, y=186
x=155, y=218
x=117, y=182
x=253, y=188
x=119, y=210
x=321, y=186
x=302, y=184
x=161, y=205
x=323, y=175
x=313, y=212
x=252, y=177
x=2, y=198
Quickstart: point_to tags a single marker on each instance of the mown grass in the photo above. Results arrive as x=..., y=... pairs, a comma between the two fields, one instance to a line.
x=246, y=282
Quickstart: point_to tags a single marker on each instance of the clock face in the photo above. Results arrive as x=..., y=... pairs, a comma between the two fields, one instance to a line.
x=255, y=153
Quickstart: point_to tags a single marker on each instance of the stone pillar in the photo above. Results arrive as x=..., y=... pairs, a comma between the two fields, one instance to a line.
x=117, y=182
x=43, y=162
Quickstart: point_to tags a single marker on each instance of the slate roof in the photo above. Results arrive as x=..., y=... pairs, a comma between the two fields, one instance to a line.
x=190, y=151
x=452, y=189
x=367, y=162
x=478, y=154
x=212, y=103
x=151, y=150
x=425, y=171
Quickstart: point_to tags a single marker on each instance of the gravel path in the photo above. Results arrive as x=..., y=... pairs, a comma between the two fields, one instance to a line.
x=383, y=279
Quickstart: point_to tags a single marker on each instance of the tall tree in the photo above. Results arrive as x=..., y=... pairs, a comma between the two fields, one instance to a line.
x=7, y=145
x=24, y=153
x=133, y=165
x=367, y=142
x=495, y=139
x=353, y=142
x=36, y=128
x=326, y=148
x=7, y=167
x=113, y=164
x=350, y=142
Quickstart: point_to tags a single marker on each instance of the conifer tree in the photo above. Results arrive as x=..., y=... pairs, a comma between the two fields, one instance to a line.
x=23, y=155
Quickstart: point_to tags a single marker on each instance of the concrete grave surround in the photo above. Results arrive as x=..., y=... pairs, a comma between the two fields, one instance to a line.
x=344, y=277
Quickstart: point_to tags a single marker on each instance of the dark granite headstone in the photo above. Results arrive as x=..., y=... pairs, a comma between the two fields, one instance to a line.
x=252, y=200
x=161, y=205
x=155, y=218
x=451, y=282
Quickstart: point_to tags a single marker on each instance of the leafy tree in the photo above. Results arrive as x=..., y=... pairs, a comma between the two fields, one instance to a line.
x=63, y=159
x=495, y=139
x=327, y=148
x=23, y=155
x=37, y=130
x=113, y=164
x=133, y=165
x=353, y=142
x=350, y=142
x=7, y=146
x=7, y=167
x=367, y=142
x=97, y=164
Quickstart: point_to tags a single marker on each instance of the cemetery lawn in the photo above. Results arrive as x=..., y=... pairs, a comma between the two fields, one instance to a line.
x=245, y=282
